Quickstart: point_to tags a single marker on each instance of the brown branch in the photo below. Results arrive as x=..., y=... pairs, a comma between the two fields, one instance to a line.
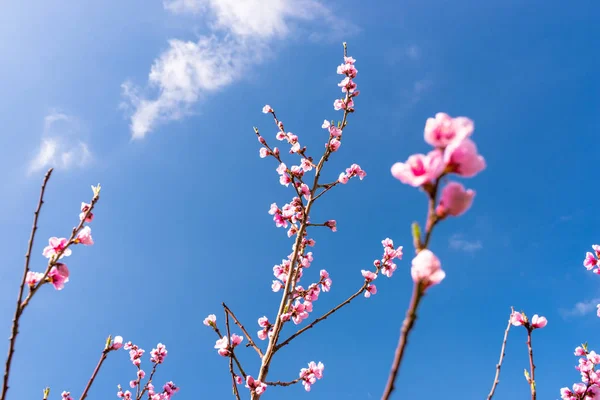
x=138, y=397
x=531, y=365
x=407, y=325
x=499, y=365
x=233, y=384
x=18, y=308
x=238, y=323
x=96, y=370
x=321, y=318
x=279, y=383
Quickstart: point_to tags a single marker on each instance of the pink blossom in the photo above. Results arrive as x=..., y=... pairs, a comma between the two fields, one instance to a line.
x=33, y=278
x=370, y=289
x=267, y=109
x=257, y=386
x=593, y=357
x=331, y=224
x=343, y=178
x=84, y=208
x=211, y=320
x=368, y=275
x=325, y=280
x=339, y=104
x=238, y=379
x=56, y=246
x=590, y=261
x=117, y=343
x=84, y=236
x=538, y=322
x=222, y=346
x=158, y=354
x=517, y=319
x=66, y=396
x=263, y=152
x=419, y=169
x=59, y=275
x=579, y=351
x=264, y=322
x=334, y=144
x=306, y=164
x=461, y=157
x=455, y=200
x=427, y=269
x=443, y=129
x=310, y=375
x=236, y=339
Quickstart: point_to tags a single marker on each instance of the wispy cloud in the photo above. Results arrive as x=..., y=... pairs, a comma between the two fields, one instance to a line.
x=242, y=32
x=457, y=242
x=413, y=52
x=61, y=144
x=580, y=309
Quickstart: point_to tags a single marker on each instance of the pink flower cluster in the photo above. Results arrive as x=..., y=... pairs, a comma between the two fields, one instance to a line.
x=254, y=385
x=454, y=152
x=57, y=248
x=157, y=356
x=520, y=319
x=310, y=375
x=386, y=265
x=66, y=396
x=350, y=173
x=223, y=347
x=347, y=84
x=589, y=387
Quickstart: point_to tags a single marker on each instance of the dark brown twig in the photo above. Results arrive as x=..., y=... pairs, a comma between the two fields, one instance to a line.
x=96, y=370
x=531, y=365
x=18, y=308
x=499, y=365
x=233, y=383
x=279, y=383
x=238, y=323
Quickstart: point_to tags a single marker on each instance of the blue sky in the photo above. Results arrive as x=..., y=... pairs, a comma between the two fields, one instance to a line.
x=182, y=223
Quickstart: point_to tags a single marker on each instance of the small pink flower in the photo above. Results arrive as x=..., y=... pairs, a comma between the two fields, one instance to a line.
x=427, y=269
x=256, y=385
x=84, y=208
x=238, y=379
x=158, y=354
x=538, y=322
x=55, y=246
x=517, y=319
x=222, y=346
x=267, y=109
x=590, y=261
x=579, y=351
x=33, y=278
x=276, y=286
x=334, y=144
x=419, y=169
x=371, y=289
x=211, y=320
x=455, y=200
x=443, y=129
x=339, y=104
x=59, y=275
x=66, y=396
x=236, y=339
x=462, y=158
x=369, y=276
x=331, y=224
x=325, y=280
x=343, y=178
x=85, y=236
x=263, y=152
x=117, y=343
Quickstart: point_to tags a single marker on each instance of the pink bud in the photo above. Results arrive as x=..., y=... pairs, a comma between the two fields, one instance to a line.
x=455, y=200
x=427, y=269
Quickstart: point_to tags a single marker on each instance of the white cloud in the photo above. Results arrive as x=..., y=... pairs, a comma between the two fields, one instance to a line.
x=580, y=309
x=61, y=145
x=413, y=52
x=456, y=242
x=243, y=31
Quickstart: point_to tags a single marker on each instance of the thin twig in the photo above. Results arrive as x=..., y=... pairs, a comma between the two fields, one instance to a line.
x=233, y=384
x=279, y=383
x=96, y=370
x=321, y=318
x=409, y=320
x=499, y=365
x=18, y=308
x=238, y=323
x=531, y=365
x=148, y=382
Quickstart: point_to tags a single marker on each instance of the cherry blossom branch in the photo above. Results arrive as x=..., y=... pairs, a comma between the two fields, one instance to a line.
x=238, y=323
x=149, y=382
x=279, y=383
x=18, y=308
x=531, y=378
x=418, y=290
x=233, y=383
x=237, y=362
x=96, y=370
x=499, y=365
x=322, y=318
x=54, y=259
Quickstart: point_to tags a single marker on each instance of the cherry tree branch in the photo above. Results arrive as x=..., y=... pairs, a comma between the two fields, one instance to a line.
x=279, y=383
x=96, y=370
x=531, y=379
x=18, y=308
x=499, y=365
x=233, y=384
x=238, y=323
